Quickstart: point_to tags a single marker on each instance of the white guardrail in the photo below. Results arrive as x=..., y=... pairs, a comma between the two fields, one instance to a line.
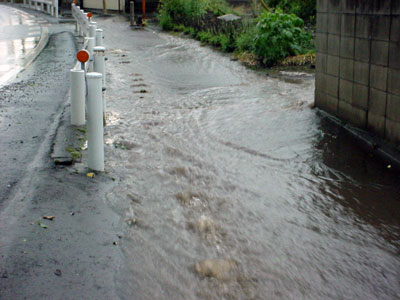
x=47, y=6
x=87, y=86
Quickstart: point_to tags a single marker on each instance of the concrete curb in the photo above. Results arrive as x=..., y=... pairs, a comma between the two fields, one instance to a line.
x=68, y=140
x=386, y=151
x=44, y=39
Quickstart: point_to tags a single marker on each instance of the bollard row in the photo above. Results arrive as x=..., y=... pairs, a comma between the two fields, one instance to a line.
x=88, y=80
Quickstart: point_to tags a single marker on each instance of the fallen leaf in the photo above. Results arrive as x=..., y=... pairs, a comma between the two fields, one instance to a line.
x=90, y=175
x=51, y=218
x=43, y=225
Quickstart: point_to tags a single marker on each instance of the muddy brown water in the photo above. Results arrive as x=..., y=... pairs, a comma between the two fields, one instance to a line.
x=232, y=187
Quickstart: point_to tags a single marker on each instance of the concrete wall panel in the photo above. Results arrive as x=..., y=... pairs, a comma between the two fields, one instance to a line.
x=346, y=91
x=347, y=47
x=394, y=81
x=333, y=65
x=321, y=41
x=334, y=23
x=322, y=22
x=361, y=72
x=332, y=85
x=379, y=53
x=395, y=29
x=377, y=102
x=392, y=130
x=393, y=108
x=394, y=55
x=352, y=114
x=360, y=96
x=333, y=44
x=378, y=77
x=346, y=69
x=362, y=50
x=321, y=62
x=380, y=27
x=358, y=63
x=348, y=25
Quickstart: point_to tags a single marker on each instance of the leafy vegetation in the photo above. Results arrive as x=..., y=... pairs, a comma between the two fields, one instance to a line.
x=279, y=35
x=304, y=9
x=271, y=37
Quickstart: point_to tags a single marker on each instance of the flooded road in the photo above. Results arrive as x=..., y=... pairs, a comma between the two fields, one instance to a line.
x=231, y=187
x=19, y=35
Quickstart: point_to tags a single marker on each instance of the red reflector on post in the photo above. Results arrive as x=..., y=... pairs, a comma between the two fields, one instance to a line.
x=90, y=15
x=82, y=56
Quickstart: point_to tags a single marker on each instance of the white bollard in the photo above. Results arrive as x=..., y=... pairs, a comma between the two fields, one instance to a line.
x=99, y=67
x=95, y=128
x=55, y=5
x=99, y=63
x=77, y=97
x=99, y=37
x=92, y=29
x=90, y=46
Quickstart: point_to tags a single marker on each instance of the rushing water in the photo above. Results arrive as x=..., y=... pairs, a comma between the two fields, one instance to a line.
x=232, y=187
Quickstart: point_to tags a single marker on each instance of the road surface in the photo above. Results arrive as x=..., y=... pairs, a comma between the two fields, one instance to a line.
x=20, y=33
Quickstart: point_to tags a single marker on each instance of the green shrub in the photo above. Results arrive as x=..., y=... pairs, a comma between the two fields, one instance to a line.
x=203, y=36
x=245, y=40
x=217, y=7
x=279, y=35
x=305, y=9
x=227, y=43
x=165, y=21
x=183, y=11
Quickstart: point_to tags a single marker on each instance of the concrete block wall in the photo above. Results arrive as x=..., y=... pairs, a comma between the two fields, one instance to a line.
x=358, y=63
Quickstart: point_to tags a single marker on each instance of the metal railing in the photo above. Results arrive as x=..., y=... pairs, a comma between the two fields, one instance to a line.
x=47, y=6
x=87, y=86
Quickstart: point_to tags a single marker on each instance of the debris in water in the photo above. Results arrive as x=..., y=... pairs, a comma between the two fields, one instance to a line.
x=42, y=225
x=206, y=225
x=51, y=218
x=134, y=198
x=221, y=269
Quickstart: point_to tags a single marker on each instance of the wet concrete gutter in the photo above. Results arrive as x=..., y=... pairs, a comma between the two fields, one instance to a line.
x=368, y=141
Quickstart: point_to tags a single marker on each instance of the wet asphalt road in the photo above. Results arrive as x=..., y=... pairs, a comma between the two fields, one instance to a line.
x=71, y=256
x=20, y=33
